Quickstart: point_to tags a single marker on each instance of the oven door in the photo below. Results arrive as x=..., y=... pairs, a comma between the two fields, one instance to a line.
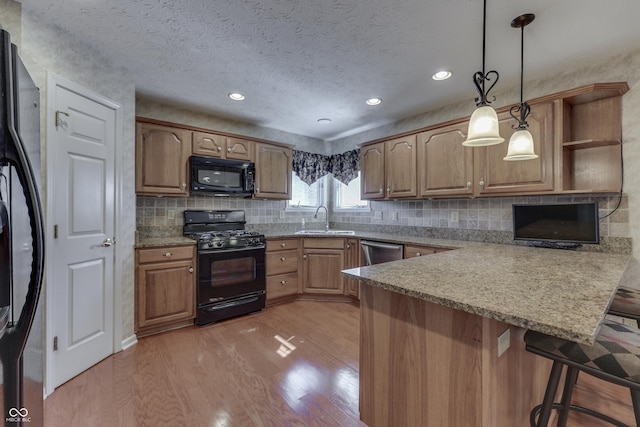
x=225, y=274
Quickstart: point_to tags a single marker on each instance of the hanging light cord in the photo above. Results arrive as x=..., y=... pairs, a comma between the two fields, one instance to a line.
x=521, y=111
x=480, y=76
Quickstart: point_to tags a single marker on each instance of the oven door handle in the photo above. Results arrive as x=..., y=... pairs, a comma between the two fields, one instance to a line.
x=243, y=249
x=238, y=301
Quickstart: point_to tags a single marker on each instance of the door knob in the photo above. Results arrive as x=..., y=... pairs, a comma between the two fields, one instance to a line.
x=108, y=242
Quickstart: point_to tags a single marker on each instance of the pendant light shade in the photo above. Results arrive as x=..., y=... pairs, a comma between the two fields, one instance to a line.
x=521, y=146
x=521, y=142
x=483, y=125
x=483, y=128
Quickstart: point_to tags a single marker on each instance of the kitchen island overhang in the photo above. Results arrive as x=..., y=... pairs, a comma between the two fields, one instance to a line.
x=429, y=329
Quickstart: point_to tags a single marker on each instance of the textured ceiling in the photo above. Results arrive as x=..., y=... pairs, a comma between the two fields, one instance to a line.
x=297, y=61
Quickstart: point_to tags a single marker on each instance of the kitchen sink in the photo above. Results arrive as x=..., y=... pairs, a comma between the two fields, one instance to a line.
x=331, y=232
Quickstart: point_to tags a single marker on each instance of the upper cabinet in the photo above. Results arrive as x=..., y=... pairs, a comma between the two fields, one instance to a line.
x=576, y=133
x=444, y=164
x=273, y=171
x=389, y=169
x=162, y=154
x=592, y=138
x=493, y=175
x=213, y=145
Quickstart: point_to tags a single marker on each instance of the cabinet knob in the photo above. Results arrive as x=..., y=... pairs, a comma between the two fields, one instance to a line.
x=229, y=150
x=388, y=189
x=381, y=190
x=481, y=183
x=348, y=245
x=167, y=254
x=283, y=282
x=468, y=184
x=418, y=254
x=304, y=256
x=184, y=185
x=283, y=259
x=190, y=269
x=283, y=245
x=219, y=148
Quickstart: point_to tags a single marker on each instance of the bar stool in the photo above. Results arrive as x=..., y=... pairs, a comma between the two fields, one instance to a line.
x=626, y=303
x=615, y=357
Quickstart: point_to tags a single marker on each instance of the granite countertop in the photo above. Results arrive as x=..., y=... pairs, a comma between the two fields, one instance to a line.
x=557, y=292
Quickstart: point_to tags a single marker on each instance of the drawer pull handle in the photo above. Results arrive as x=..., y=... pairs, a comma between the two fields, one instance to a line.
x=418, y=254
x=283, y=245
x=283, y=282
x=168, y=254
x=190, y=269
x=283, y=259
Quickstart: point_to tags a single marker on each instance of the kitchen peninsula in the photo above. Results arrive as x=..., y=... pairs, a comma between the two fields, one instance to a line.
x=429, y=352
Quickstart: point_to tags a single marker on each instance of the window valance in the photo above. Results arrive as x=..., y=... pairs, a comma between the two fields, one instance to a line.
x=310, y=167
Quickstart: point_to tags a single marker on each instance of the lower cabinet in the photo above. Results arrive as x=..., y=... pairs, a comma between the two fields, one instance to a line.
x=323, y=260
x=353, y=260
x=165, y=288
x=282, y=259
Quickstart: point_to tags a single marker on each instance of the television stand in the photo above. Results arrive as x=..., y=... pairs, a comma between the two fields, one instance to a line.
x=556, y=245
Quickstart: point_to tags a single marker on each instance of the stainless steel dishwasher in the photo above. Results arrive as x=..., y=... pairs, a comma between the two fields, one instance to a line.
x=379, y=252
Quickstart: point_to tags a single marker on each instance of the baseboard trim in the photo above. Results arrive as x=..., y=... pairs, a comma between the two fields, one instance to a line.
x=129, y=342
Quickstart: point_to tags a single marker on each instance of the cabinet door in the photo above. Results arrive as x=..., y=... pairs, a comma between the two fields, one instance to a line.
x=162, y=153
x=273, y=171
x=240, y=149
x=400, y=167
x=372, y=171
x=493, y=175
x=321, y=271
x=208, y=144
x=445, y=165
x=165, y=293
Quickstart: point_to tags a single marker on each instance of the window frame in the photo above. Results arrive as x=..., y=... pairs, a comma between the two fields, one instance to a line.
x=322, y=196
x=336, y=202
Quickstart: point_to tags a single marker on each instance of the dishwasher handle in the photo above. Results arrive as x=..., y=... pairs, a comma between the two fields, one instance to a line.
x=381, y=245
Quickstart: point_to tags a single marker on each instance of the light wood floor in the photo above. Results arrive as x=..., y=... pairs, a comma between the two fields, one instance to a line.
x=295, y=364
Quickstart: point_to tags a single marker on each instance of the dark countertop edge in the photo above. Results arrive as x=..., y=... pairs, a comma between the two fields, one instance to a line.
x=155, y=242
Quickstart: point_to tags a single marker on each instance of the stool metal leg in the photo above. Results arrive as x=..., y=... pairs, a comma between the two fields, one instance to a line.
x=549, y=395
x=565, y=403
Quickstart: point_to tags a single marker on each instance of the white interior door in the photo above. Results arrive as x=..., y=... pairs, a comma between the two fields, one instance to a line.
x=81, y=280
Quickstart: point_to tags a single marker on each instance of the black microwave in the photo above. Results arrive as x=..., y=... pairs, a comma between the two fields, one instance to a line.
x=210, y=175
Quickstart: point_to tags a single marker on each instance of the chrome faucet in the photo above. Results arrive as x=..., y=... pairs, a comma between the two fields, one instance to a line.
x=326, y=217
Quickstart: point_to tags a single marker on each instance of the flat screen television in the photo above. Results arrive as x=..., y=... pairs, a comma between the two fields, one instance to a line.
x=575, y=223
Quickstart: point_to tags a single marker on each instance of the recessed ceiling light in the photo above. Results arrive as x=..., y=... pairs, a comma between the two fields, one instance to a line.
x=236, y=96
x=442, y=75
x=374, y=101
x=324, y=121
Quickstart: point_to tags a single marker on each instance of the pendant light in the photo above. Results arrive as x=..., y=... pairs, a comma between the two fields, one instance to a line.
x=483, y=125
x=521, y=142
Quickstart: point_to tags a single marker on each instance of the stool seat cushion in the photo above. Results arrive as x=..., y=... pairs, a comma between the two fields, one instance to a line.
x=616, y=350
x=626, y=301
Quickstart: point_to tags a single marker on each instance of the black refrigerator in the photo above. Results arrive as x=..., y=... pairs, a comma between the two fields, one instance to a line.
x=21, y=243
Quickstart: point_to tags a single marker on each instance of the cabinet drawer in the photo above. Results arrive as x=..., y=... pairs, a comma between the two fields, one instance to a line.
x=411, y=251
x=281, y=245
x=324, y=243
x=282, y=262
x=282, y=285
x=168, y=253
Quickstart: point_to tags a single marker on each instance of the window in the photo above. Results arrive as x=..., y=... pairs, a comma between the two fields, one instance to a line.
x=348, y=196
x=305, y=196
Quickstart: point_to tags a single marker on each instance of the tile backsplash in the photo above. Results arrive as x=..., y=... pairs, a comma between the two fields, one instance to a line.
x=164, y=215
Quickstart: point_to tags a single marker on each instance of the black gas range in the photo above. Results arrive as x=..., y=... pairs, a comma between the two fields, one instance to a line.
x=231, y=264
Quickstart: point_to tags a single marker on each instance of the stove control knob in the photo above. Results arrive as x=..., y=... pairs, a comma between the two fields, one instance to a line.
x=219, y=243
x=210, y=244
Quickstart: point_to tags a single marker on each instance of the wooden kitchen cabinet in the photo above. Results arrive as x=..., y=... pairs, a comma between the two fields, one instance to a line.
x=162, y=155
x=389, y=169
x=592, y=138
x=165, y=288
x=412, y=251
x=323, y=260
x=273, y=171
x=352, y=260
x=445, y=165
x=224, y=147
x=495, y=176
x=283, y=264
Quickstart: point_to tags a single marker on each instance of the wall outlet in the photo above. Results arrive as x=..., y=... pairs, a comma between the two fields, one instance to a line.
x=455, y=217
x=171, y=214
x=377, y=215
x=504, y=341
x=281, y=214
x=396, y=216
